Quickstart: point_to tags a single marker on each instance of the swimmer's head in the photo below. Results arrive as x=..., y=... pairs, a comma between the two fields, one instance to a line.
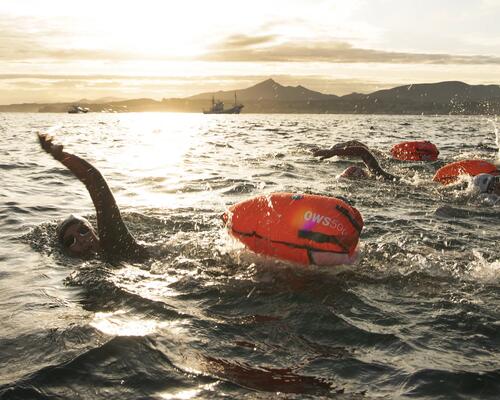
x=486, y=183
x=77, y=237
x=354, y=172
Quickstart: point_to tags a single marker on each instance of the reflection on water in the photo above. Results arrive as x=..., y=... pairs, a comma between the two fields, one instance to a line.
x=418, y=315
x=116, y=323
x=187, y=394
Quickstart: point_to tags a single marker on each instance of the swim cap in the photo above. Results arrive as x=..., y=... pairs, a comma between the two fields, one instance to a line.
x=65, y=224
x=483, y=182
x=354, y=172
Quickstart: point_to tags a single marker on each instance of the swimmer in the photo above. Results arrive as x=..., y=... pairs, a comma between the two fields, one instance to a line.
x=357, y=149
x=486, y=184
x=75, y=234
x=481, y=183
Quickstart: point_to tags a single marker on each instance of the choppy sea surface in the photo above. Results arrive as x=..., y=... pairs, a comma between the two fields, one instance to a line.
x=418, y=316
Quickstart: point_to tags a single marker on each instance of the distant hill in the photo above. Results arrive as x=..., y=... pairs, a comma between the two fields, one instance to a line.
x=441, y=92
x=451, y=97
x=101, y=100
x=271, y=97
x=267, y=90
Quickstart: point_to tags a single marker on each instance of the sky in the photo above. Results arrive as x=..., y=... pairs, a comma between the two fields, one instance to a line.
x=53, y=50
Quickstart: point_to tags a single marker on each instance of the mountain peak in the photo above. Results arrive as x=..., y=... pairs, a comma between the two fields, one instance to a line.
x=268, y=82
x=267, y=90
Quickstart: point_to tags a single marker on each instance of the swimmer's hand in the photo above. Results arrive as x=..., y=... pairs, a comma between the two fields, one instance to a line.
x=323, y=153
x=47, y=143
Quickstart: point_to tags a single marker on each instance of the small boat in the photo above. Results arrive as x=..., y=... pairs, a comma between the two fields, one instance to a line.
x=218, y=107
x=77, y=110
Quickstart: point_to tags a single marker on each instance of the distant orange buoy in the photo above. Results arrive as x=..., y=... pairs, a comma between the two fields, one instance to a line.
x=415, y=151
x=450, y=172
x=296, y=227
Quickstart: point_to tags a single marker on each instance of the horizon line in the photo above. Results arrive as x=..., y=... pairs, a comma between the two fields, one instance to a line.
x=165, y=77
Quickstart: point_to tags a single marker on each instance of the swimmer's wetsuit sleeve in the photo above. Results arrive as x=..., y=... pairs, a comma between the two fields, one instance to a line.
x=116, y=241
x=360, y=152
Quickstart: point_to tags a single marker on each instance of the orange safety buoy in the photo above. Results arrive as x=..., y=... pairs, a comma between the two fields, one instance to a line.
x=450, y=172
x=295, y=227
x=415, y=151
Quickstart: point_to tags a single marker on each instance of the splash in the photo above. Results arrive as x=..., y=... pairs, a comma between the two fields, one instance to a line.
x=497, y=136
x=483, y=270
x=54, y=128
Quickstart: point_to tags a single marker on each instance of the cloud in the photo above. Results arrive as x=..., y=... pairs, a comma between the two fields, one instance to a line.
x=30, y=39
x=173, y=78
x=269, y=49
x=19, y=45
x=63, y=55
x=238, y=41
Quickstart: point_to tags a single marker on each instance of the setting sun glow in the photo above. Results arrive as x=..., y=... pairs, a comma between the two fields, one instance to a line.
x=57, y=50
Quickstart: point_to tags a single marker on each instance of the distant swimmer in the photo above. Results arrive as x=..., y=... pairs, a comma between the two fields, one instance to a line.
x=75, y=234
x=487, y=184
x=417, y=150
x=486, y=175
x=356, y=149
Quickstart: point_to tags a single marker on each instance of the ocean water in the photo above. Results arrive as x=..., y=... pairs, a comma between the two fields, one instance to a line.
x=417, y=317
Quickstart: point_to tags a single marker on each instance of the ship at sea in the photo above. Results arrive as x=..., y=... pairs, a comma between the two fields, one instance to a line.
x=218, y=107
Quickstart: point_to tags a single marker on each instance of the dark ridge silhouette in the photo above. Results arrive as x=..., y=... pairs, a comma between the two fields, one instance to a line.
x=441, y=92
x=271, y=97
x=268, y=90
x=100, y=100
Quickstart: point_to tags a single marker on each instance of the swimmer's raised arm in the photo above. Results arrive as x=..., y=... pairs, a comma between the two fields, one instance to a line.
x=347, y=149
x=332, y=151
x=114, y=237
x=350, y=143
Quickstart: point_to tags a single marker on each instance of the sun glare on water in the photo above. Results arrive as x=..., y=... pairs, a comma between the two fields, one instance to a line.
x=160, y=140
x=156, y=156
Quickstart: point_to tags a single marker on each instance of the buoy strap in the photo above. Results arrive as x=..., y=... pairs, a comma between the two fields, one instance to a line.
x=321, y=238
x=293, y=245
x=348, y=215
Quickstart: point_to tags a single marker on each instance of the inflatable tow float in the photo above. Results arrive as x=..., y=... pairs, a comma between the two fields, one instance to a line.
x=450, y=172
x=302, y=228
x=415, y=151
